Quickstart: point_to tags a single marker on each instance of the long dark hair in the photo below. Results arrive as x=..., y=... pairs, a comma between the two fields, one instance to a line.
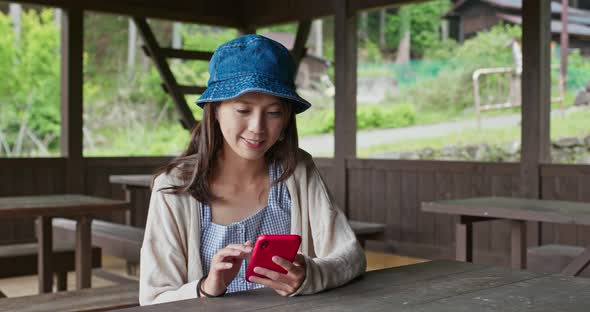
x=195, y=165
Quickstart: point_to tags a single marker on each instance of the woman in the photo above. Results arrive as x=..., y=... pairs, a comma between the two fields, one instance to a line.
x=243, y=176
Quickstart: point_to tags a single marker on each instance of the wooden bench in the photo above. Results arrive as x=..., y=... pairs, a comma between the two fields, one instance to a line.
x=21, y=259
x=84, y=300
x=553, y=258
x=367, y=231
x=115, y=239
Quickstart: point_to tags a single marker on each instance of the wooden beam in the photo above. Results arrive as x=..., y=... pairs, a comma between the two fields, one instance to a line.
x=72, y=48
x=536, y=96
x=299, y=49
x=261, y=13
x=220, y=13
x=171, y=86
x=192, y=89
x=345, y=56
x=186, y=54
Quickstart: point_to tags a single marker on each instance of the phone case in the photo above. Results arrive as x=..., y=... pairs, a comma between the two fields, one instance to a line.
x=267, y=246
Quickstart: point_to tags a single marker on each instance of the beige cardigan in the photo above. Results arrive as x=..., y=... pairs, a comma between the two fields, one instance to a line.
x=170, y=259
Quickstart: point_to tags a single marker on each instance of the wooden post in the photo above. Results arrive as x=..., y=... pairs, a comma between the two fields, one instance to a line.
x=299, y=51
x=345, y=46
x=536, y=86
x=464, y=240
x=518, y=244
x=72, y=47
x=44, y=254
x=83, y=252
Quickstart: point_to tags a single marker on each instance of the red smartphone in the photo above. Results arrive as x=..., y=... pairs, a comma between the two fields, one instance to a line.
x=268, y=246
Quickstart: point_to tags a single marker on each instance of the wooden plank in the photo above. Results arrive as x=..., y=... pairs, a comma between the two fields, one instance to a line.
x=32, y=162
x=263, y=13
x=409, y=207
x=393, y=198
x=190, y=89
x=542, y=294
x=536, y=94
x=584, y=195
x=24, y=181
x=426, y=191
x=72, y=49
x=379, y=204
x=186, y=54
x=515, y=209
x=86, y=300
x=566, y=188
x=221, y=13
x=444, y=224
x=481, y=185
x=554, y=170
x=404, y=287
x=57, y=205
x=356, y=190
x=126, y=162
x=345, y=61
x=498, y=169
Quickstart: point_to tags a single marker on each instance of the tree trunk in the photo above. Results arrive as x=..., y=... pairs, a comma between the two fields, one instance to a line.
x=131, y=44
x=14, y=12
x=364, y=25
x=403, y=49
x=382, y=13
x=317, y=37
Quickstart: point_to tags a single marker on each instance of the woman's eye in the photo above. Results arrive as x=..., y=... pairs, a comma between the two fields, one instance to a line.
x=242, y=111
x=275, y=114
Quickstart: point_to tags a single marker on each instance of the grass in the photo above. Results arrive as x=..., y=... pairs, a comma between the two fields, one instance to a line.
x=572, y=125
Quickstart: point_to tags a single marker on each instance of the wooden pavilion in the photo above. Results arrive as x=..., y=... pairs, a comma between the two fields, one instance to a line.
x=387, y=191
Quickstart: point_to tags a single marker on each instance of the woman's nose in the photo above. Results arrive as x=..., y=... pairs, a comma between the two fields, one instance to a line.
x=256, y=123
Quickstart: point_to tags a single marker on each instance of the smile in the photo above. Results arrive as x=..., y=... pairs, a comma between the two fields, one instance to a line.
x=253, y=143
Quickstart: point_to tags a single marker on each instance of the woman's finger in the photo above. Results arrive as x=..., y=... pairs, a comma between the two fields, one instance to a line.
x=282, y=288
x=225, y=253
x=220, y=266
x=284, y=263
x=273, y=275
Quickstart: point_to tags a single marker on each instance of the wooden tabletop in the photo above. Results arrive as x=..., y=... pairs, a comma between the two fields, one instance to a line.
x=57, y=205
x=515, y=209
x=431, y=286
x=84, y=300
x=142, y=180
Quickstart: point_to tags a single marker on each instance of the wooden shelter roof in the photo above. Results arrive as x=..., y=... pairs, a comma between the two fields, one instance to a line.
x=230, y=13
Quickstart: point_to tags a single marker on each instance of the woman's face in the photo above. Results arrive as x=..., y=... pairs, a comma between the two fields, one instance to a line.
x=252, y=123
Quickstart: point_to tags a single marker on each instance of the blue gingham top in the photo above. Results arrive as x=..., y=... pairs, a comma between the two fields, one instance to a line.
x=275, y=218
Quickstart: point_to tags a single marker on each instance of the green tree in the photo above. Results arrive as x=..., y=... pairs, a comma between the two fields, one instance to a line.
x=29, y=88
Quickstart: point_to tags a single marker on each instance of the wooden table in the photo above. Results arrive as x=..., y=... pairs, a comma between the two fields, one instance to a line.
x=135, y=187
x=517, y=211
x=430, y=286
x=44, y=208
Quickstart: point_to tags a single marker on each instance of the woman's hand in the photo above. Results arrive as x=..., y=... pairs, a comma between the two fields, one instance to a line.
x=283, y=284
x=225, y=264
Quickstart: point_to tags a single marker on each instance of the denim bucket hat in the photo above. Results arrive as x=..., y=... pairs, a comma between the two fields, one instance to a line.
x=252, y=63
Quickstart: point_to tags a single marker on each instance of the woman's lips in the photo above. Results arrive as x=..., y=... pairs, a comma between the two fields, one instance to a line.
x=252, y=143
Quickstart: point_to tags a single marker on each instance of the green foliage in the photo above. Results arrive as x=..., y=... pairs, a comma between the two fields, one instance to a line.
x=29, y=89
x=578, y=71
x=368, y=117
x=451, y=89
x=424, y=18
